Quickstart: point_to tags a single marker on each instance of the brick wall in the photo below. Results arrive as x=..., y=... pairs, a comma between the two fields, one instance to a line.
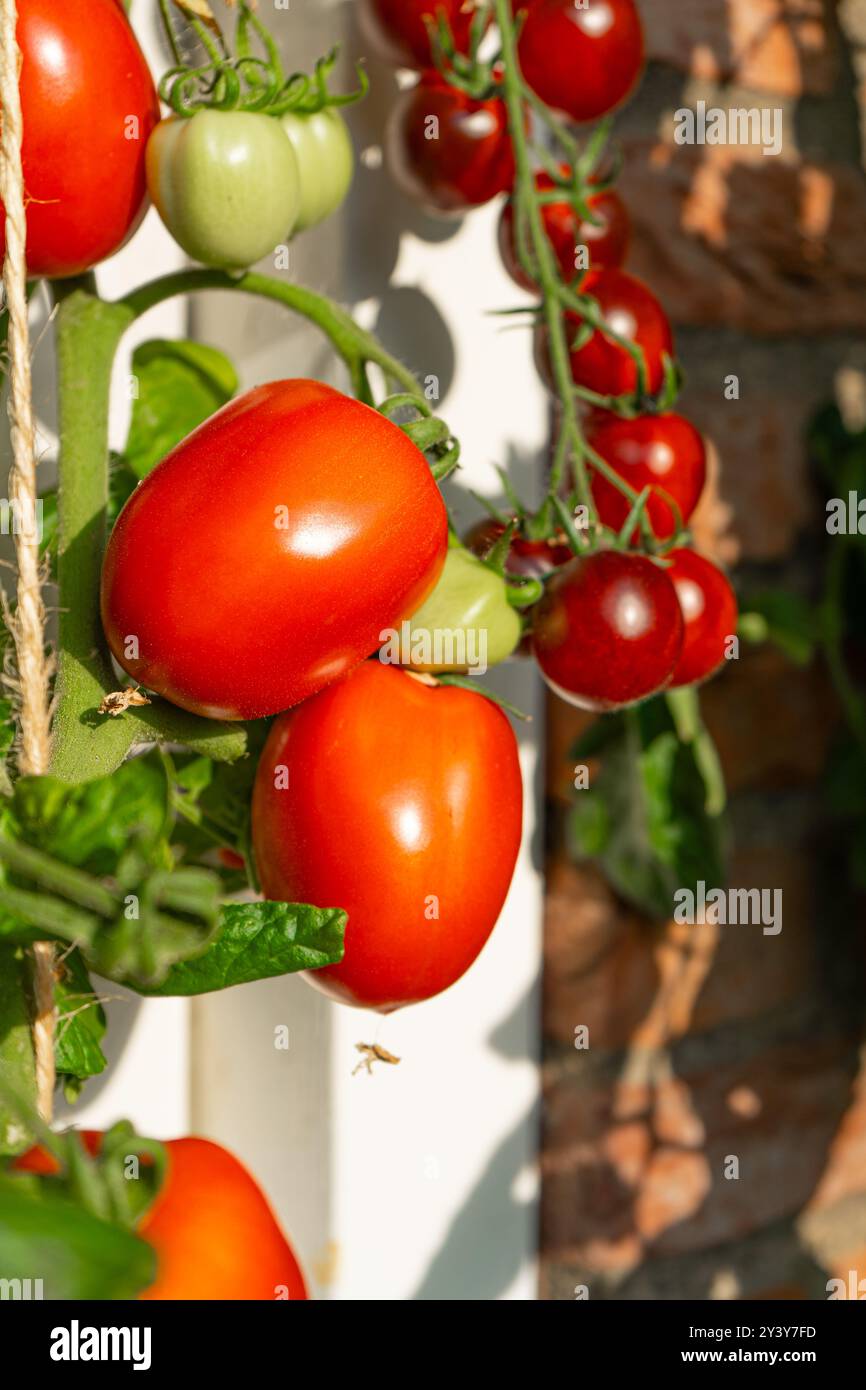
x=707, y=1043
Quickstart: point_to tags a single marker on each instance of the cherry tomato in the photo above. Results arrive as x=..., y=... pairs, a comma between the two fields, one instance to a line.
x=664, y=452
x=264, y=555
x=529, y=559
x=608, y=631
x=466, y=623
x=582, y=57
x=445, y=150
x=213, y=1231
x=88, y=104
x=709, y=607
x=631, y=311
x=226, y=185
x=606, y=240
x=323, y=150
x=403, y=806
x=398, y=30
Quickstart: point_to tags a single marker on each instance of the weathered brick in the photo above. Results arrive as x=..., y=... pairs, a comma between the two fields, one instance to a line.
x=728, y=238
x=785, y=47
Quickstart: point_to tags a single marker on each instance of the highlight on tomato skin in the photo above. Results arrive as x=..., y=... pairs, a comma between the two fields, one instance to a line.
x=710, y=611
x=88, y=104
x=608, y=631
x=212, y=1228
x=664, y=452
x=467, y=162
x=404, y=844
x=313, y=515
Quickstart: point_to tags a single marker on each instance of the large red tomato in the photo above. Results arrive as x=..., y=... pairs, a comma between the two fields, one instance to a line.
x=398, y=28
x=606, y=239
x=213, y=1231
x=263, y=557
x=403, y=806
x=631, y=311
x=446, y=151
x=88, y=104
x=664, y=452
x=582, y=56
x=608, y=631
x=709, y=607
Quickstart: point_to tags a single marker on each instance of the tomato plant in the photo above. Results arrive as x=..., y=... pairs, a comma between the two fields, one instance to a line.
x=605, y=237
x=88, y=105
x=446, y=150
x=709, y=607
x=226, y=185
x=394, y=789
x=210, y=1225
x=312, y=512
x=323, y=150
x=608, y=631
x=582, y=59
x=632, y=312
x=663, y=452
x=398, y=28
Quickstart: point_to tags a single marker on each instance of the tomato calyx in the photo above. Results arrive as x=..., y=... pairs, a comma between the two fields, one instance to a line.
x=95, y=1174
x=246, y=80
x=427, y=431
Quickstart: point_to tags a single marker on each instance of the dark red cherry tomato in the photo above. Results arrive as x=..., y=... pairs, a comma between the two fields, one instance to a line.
x=88, y=105
x=709, y=607
x=582, y=58
x=606, y=239
x=633, y=312
x=263, y=556
x=664, y=452
x=445, y=150
x=529, y=559
x=608, y=631
x=404, y=807
x=398, y=30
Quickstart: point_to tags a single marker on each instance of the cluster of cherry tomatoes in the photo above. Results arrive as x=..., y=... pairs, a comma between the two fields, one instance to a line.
x=613, y=626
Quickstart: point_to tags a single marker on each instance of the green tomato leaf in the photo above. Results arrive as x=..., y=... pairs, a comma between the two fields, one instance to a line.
x=80, y=1024
x=17, y=1064
x=180, y=384
x=256, y=941
x=645, y=817
x=45, y=1235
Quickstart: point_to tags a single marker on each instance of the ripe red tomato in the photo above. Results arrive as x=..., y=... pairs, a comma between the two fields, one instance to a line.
x=403, y=807
x=631, y=311
x=398, y=31
x=582, y=59
x=606, y=240
x=608, y=631
x=709, y=607
x=213, y=1231
x=263, y=557
x=530, y=559
x=664, y=452
x=88, y=104
x=445, y=150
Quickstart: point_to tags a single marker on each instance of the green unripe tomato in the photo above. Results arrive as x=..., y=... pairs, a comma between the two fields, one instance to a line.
x=323, y=149
x=225, y=184
x=467, y=622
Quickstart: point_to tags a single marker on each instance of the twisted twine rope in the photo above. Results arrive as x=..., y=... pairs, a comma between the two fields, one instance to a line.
x=29, y=624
